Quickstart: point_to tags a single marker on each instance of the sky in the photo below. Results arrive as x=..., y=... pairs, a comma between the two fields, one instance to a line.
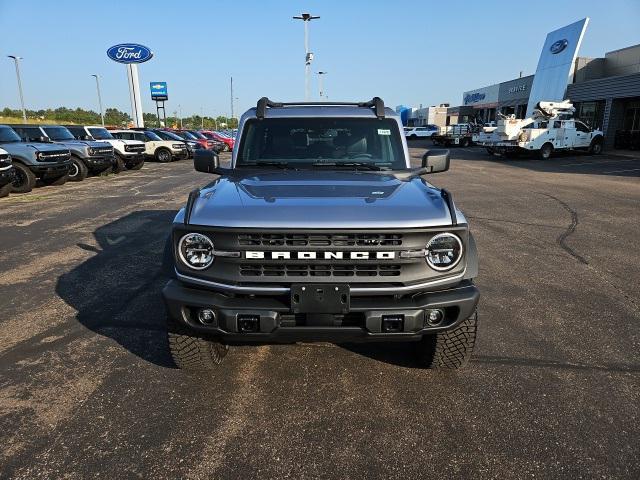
x=411, y=53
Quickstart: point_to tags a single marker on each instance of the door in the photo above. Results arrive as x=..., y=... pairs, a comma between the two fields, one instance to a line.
x=582, y=138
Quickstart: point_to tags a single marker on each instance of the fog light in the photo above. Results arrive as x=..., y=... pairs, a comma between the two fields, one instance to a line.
x=206, y=316
x=434, y=317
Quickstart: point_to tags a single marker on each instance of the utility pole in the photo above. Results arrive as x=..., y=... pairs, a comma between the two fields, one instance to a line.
x=99, y=98
x=16, y=60
x=320, y=75
x=231, y=97
x=308, y=56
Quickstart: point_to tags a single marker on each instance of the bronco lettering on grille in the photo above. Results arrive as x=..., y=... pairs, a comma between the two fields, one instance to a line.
x=284, y=255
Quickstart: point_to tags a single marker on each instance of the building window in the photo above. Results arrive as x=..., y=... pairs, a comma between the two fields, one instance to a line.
x=631, y=116
x=591, y=113
x=521, y=111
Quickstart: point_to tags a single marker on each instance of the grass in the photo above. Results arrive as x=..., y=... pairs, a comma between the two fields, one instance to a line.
x=34, y=121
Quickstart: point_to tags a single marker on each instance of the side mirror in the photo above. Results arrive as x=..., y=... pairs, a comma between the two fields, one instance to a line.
x=43, y=139
x=435, y=161
x=205, y=161
x=86, y=137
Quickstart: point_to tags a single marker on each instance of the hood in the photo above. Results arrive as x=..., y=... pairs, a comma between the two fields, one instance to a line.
x=81, y=143
x=35, y=146
x=313, y=199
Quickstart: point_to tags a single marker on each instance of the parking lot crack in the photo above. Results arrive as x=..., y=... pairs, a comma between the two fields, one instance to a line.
x=570, y=229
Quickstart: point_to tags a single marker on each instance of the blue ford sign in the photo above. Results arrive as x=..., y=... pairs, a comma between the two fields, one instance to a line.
x=559, y=46
x=473, y=98
x=159, y=91
x=129, y=53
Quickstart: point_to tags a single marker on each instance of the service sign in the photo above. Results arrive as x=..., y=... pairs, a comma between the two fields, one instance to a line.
x=129, y=53
x=159, y=91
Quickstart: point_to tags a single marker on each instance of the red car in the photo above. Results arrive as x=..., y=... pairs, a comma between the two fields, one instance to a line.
x=187, y=135
x=228, y=141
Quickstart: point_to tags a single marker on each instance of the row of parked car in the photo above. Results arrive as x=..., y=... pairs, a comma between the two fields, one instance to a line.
x=55, y=154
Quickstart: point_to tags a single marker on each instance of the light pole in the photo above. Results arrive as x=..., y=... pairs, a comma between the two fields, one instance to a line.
x=16, y=60
x=308, y=56
x=320, y=75
x=99, y=97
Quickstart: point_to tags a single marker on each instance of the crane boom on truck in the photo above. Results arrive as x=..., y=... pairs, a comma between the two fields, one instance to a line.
x=551, y=127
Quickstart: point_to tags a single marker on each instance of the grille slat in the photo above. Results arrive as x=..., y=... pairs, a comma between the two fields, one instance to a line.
x=320, y=240
x=319, y=270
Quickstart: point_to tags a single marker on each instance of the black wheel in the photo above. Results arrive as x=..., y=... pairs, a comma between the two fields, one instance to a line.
x=465, y=142
x=413, y=137
x=78, y=170
x=118, y=164
x=163, y=155
x=490, y=151
x=546, y=151
x=55, y=181
x=136, y=166
x=5, y=190
x=24, y=180
x=596, y=146
x=451, y=349
x=191, y=352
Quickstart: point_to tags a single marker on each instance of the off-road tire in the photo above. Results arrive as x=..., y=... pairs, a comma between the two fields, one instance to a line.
x=119, y=165
x=79, y=169
x=192, y=352
x=163, y=155
x=24, y=179
x=137, y=166
x=596, y=146
x=545, y=151
x=450, y=349
x=5, y=190
x=55, y=181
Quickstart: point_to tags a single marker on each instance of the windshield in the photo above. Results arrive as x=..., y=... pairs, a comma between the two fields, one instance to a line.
x=8, y=135
x=198, y=135
x=58, y=134
x=208, y=135
x=316, y=142
x=152, y=136
x=100, y=133
x=168, y=135
x=187, y=135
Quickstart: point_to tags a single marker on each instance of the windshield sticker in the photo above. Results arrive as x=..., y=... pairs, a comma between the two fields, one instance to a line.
x=382, y=131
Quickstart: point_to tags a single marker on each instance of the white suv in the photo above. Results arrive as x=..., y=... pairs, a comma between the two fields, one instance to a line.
x=420, y=132
x=128, y=153
x=155, y=147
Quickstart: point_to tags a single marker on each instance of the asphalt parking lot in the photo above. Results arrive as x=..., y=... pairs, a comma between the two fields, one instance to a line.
x=87, y=388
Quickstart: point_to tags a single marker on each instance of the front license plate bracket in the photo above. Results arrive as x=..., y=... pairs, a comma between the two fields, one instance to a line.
x=320, y=298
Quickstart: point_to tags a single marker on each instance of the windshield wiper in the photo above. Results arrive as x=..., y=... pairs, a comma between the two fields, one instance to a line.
x=283, y=165
x=366, y=166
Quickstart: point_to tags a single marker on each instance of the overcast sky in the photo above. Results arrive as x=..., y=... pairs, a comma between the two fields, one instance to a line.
x=408, y=53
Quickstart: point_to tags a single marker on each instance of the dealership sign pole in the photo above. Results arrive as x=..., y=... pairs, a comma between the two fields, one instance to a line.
x=131, y=54
x=159, y=95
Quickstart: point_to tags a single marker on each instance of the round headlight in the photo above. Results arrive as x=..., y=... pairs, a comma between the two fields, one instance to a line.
x=196, y=251
x=92, y=151
x=443, y=251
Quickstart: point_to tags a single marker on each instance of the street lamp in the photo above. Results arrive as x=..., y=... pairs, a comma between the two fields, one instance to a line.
x=99, y=98
x=320, y=75
x=308, y=56
x=17, y=59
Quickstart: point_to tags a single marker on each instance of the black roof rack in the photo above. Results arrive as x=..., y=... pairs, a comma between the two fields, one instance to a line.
x=376, y=103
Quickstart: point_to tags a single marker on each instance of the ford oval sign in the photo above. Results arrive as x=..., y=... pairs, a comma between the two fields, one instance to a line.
x=129, y=53
x=559, y=46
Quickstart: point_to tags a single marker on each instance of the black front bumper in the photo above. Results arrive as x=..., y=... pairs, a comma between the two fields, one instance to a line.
x=97, y=163
x=6, y=176
x=134, y=159
x=277, y=324
x=49, y=170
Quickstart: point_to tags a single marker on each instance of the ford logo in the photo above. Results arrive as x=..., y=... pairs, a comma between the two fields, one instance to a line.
x=129, y=53
x=559, y=46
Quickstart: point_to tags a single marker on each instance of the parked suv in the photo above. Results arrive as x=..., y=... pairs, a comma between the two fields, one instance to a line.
x=127, y=153
x=413, y=133
x=191, y=145
x=321, y=231
x=34, y=160
x=6, y=173
x=86, y=156
x=155, y=147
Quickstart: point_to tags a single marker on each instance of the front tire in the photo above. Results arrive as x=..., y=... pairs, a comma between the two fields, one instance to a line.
x=24, y=180
x=118, y=165
x=596, y=147
x=136, y=166
x=465, y=142
x=5, y=190
x=78, y=170
x=163, y=155
x=191, y=352
x=55, y=181
x=546, y=151
x=450, y=349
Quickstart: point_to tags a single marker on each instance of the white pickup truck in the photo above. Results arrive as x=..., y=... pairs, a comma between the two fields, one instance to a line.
x=547, y=130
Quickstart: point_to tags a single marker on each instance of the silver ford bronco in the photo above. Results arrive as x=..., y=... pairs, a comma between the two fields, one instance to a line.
x=321, y=230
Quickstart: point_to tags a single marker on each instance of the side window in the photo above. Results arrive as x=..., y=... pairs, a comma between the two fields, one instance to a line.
x=581, y=127
x=140, y=136
x=557, y=124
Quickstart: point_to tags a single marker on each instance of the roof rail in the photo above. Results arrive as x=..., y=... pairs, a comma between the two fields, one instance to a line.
x=376, y=103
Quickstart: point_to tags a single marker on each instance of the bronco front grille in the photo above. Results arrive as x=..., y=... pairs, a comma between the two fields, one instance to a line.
x=54, y=156
x=319, y=270
x=321, y=239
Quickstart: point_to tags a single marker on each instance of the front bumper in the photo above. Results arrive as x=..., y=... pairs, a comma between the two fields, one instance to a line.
x=99, y=163
x=50, y=170
x=277, y=324
x=133, y=159
x=6, y=175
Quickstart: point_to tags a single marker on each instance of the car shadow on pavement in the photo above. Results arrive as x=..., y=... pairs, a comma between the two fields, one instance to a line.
x=116, y=292
x=400, y=354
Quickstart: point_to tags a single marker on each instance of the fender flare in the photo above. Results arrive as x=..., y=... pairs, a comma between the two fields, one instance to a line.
x=472, y=259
